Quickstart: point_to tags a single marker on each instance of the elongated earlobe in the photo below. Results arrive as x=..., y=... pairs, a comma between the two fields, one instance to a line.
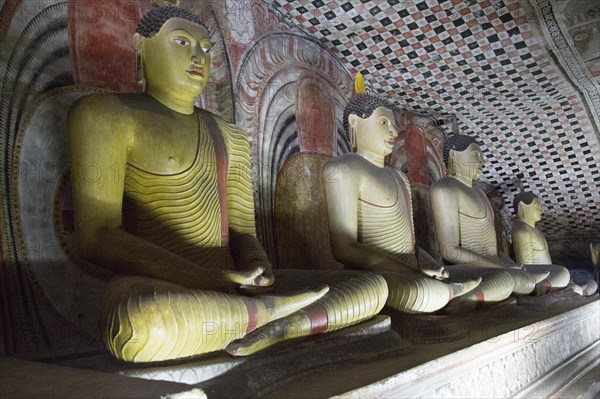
x=520, y=211
x=139, y=73
x=352, y=133
x=139, y=63
x=451, y=164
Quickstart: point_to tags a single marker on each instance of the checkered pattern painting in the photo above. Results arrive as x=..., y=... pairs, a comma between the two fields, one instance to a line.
x=482, y=61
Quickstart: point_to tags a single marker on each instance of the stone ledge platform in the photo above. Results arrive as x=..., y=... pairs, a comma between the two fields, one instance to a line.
x=538, y=347
x=532, y=347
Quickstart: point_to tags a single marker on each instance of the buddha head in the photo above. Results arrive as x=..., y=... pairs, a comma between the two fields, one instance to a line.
x=463, y=157
x=527, y=206
x=370, y=124
x=172, y=49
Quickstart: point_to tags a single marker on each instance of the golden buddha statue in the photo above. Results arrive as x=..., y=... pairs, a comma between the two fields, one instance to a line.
x=163, y=198
x=370, y=213
x=464, y=222
x=595, y=257
x=595, y=253
x=531, y=247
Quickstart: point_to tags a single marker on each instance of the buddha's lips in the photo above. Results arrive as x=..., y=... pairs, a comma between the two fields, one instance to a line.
x=196, y=71
x=391, y=141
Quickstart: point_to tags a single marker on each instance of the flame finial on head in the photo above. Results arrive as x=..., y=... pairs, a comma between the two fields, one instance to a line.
x=359, y=84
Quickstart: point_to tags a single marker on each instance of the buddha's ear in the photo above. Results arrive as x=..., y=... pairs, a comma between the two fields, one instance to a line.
x=352, y=119
x=137, y=42
x=451, y=164
x=352, y=131
x=139, y=67
x=520, y=210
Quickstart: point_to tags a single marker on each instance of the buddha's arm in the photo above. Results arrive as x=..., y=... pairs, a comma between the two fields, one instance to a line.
x=444, y=203
x=99, y=138
x=506, y=260
x=342, y=212
x=521, y=245
x=245, y=247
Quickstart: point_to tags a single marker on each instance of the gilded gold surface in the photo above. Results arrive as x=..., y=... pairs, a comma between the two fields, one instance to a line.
x=170, y=210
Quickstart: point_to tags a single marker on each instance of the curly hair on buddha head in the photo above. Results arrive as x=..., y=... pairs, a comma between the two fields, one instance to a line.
x=153, y=20
x=525, y=197
x=363, y=106
x=457, y=143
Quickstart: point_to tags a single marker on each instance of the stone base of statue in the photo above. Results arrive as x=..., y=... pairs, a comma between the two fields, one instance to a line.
x=545, y=347
x=532, y=347
x=221, y=375
x=534, y=350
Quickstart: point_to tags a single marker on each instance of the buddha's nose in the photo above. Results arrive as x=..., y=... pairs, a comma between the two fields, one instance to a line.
x=197, y=56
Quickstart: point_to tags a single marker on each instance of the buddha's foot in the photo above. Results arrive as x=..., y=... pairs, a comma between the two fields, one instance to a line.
x=576, y=288
x=439, y=273
x=278, y=306
x=295, y=326
x=459, y=289
x=589, y=288
x=257, y=340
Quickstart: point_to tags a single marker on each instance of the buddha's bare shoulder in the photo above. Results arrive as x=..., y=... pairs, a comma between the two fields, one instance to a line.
x=446, y=184
x=520, y=227
x=98, y=101
x=107, y=107
x=346, y=163
x=350, y=168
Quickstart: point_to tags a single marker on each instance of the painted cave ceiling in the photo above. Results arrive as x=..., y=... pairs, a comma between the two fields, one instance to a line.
x=521, y=75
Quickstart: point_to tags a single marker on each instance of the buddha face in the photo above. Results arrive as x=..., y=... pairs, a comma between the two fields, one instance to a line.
x=177, y=58
x=531, y=211
x=468, y=163
x=377, y=133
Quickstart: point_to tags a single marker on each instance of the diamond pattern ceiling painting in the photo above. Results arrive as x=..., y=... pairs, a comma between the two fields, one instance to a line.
x=488, y=63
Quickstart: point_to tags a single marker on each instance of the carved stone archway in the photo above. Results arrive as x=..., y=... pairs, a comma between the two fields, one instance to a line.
x=266, y=90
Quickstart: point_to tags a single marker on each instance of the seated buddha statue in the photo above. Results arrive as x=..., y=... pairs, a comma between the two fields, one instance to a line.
x=595, y=257
x=370, y=213
x=169, y=209
x=531, y=247
x=464, y=222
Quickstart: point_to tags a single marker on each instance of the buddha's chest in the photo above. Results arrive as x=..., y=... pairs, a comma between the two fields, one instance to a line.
x=384, y=214
x=474, y=204
x=535, y=240
x=164, y=147
x=381, y=188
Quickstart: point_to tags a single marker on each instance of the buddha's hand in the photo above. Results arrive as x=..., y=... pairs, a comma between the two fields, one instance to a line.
x=429, y=266
x=255, y=277
x=438, y=272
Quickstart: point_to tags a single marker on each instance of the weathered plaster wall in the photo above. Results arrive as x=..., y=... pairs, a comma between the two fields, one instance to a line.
x=520, y=75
